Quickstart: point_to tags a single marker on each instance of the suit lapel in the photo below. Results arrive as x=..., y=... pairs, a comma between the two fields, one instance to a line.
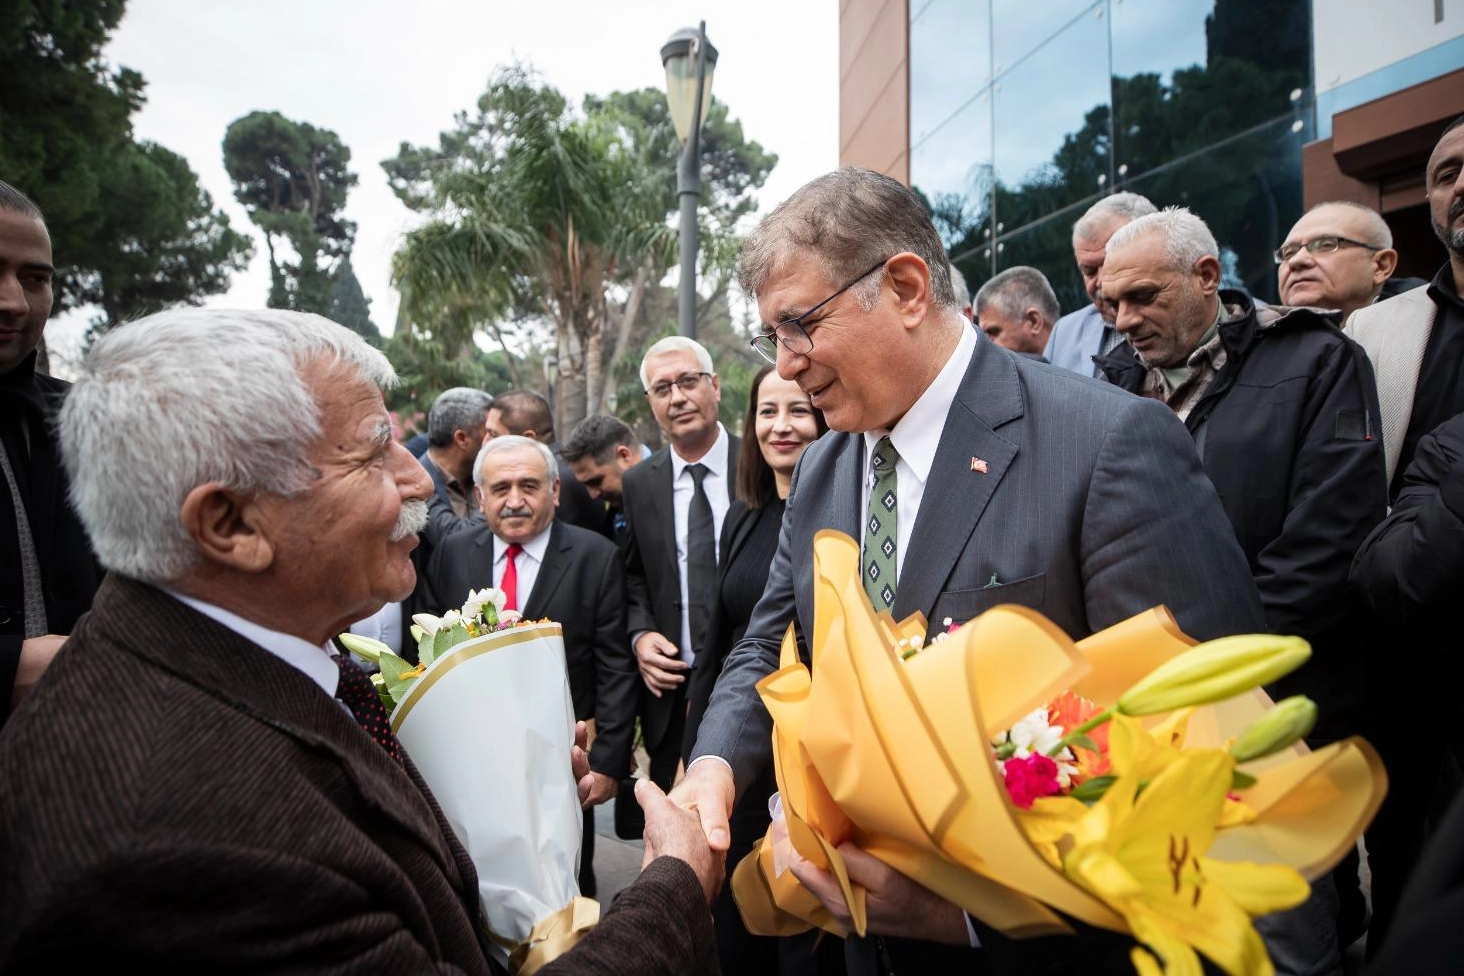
x=479, y=568
x=957, y=492
x=849, y=469
x=551, y=572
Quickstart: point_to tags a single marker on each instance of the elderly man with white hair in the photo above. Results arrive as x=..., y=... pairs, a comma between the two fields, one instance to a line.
x=1283, y=411
x=199, y=783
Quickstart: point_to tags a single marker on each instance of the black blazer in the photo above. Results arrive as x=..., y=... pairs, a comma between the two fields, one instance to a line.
x=580, y=586
x=652, y=576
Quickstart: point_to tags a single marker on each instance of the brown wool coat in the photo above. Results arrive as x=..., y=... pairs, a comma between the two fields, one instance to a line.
x=177, y=797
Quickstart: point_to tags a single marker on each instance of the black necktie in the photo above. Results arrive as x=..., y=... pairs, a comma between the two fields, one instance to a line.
x=359, y=695
x=701, y=557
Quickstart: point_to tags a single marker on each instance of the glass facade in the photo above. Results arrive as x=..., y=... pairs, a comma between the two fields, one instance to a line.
x=1023, y=114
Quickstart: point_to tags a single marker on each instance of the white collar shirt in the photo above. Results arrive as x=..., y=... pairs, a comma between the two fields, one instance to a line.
x=916, y=437
x=527, y=564
x=316, y=662
x=720, y=497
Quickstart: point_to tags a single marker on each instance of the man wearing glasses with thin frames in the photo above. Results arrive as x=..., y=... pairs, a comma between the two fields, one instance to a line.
x=1339, y=255
x=974, y=478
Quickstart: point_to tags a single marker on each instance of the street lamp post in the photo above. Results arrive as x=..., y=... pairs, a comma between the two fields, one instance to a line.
x=689, y=60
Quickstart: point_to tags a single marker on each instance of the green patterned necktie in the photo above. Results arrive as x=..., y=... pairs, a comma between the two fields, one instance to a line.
x=880, y=546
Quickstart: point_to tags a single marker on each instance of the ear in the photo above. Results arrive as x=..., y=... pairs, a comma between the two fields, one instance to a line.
x=229, y=529
x=478, y=493
x=1207, y=270
x=910, y=278
x=1385, y=262
x=717, y=387
x=555, y=493
x=1033, y=319
x=623, y=453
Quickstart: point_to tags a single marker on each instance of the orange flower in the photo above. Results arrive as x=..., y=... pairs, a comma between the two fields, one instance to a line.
x=1068, y=711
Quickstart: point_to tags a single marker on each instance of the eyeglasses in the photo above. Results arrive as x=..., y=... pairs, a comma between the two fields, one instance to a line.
x=686, y=382
x=792, y=333
x=1325, y=244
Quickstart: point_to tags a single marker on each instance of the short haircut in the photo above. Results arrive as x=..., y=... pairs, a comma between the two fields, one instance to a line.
x=597, y=436
x=189, y=396
x=1186, y=237
x=1377, y=227
x=958, y=287
x=1124, y=205
x=13, y=201
x=1452, y=126
x=755, y=483
x=460, y=408
x=1015, y=290
x=508, y=443
x=674, y=343
x=846, y=221
x=522, y=410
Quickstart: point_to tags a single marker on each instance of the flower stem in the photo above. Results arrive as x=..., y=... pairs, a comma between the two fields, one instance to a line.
x=1082, y=730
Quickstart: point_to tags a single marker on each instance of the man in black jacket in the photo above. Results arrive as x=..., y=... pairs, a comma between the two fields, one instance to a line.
x=48, y=574
x=1283, y=410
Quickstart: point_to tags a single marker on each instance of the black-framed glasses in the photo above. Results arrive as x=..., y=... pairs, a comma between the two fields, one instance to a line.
x=792, y=333
x=1326, y=244
x=686, y=382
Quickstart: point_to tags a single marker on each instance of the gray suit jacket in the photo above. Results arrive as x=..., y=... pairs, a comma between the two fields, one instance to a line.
x=1093, y=508
x=1395, y=335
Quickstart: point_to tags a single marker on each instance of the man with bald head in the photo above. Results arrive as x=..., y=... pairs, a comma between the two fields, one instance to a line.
x=1338, y=256
x=1078, y=338
x=933, y=456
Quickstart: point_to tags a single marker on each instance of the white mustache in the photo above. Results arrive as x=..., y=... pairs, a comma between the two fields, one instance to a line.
x=516, y=513
x=411, y=521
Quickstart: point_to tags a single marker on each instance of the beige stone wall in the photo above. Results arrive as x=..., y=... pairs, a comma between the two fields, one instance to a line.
x=874, y=85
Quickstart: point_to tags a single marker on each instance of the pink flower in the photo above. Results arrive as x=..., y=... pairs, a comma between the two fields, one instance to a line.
x=1030, y=777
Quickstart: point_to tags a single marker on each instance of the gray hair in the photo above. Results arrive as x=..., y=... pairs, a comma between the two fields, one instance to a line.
x=1377, y=227
x=675, y=343
x=185, y=397
x=1186, y=237
x=846, y=221
x=509, y=442
x=958, y=287
x=460, y=408
x=1125, y=206
x=1015, y=290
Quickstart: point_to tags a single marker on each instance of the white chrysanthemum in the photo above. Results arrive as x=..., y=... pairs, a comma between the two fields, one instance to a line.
x=450, y=620
x=1032, y=733
x=478, y=599
x=427, y=622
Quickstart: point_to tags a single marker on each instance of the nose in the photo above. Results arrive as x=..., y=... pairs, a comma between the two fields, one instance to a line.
x=790, y=363
x=783, y=421
x=412, y=478
x=1126, y=318
x=12, y=294
x=1300, y=259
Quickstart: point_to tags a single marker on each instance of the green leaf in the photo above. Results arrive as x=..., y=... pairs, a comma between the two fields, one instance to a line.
x=425, y=645
x=1092, y=790
x=1241, y=781
x=1083, y=742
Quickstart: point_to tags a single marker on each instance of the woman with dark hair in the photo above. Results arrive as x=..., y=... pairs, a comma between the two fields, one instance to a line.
x=779, y=423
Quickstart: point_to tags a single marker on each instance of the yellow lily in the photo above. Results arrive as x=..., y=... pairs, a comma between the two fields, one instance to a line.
x=1214, y=671
x=1143, y=853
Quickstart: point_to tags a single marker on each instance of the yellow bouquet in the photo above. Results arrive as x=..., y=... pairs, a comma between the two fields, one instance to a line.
x=1200, y=811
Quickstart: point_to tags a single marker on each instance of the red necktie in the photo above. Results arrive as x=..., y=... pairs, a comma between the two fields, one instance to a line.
x=510, y=577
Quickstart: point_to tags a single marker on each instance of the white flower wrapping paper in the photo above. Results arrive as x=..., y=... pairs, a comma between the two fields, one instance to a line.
x=490, y=724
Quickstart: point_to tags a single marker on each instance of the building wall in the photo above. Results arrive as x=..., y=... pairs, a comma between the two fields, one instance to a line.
x=874, y=86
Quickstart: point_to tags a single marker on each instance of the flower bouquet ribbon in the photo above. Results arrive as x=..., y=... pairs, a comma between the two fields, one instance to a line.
x=1198, y=809
x=489, y=723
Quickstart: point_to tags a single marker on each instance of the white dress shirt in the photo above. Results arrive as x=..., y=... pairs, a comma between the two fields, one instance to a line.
x=316, y=662
x=916, y=438
x=384, y=625
x=714, y=483
x=527, y=563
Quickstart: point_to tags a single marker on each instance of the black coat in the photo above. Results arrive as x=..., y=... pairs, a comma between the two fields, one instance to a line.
x=581, y=586
x=70, y=574
x=1288, y=434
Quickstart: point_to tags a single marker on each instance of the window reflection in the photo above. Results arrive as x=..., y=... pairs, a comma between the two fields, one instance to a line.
x=951, y=170
x=950, y=60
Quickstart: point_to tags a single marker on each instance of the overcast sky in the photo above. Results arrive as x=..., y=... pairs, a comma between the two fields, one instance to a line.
x=380, y=73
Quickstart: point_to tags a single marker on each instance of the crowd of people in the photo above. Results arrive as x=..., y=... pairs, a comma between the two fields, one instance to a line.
x=187, y=529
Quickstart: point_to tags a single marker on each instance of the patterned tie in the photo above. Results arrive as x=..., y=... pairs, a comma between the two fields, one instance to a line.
x=510, y=577
x=880, y=547
x=359, y=695
x=701, y=557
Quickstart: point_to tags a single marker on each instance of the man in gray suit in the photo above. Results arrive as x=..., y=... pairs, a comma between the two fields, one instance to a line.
x=1006, y=481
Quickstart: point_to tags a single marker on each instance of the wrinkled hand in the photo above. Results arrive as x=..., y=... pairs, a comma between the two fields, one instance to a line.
x=674, y=832
x=659, y=661
x=596, y=788
x=707, y=791
x=579, y=760
x=36, y=655
x=894, y=904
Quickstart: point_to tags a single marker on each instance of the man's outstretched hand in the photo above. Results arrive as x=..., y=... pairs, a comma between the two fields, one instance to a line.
x=674, y=832
x=707, y=791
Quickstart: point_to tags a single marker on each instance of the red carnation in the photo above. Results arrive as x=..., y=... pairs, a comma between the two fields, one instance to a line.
x=1029, y=778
